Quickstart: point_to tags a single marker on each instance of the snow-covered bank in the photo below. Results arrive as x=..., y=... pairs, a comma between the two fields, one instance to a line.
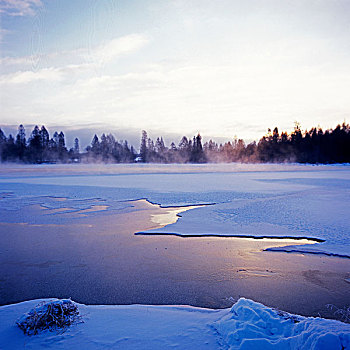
x=247, y=325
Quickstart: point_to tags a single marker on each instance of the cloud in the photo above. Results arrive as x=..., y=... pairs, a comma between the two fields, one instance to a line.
x=73, y=61
x=118, y=47
x=211, y=99
x=16, y=61
x=25, y=77
x=218, y=100
x=20, y=7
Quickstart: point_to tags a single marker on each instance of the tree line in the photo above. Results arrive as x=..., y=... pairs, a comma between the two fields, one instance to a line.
x=40, y=148
x=312, y=146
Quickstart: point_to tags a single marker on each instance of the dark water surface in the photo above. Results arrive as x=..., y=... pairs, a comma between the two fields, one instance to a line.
x=98, y=260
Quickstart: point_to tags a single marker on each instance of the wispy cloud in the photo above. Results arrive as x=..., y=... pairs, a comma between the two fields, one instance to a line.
x=118, y=47
x=25, y=77
x=20, y=7
x=16, y=61
x=78, y=59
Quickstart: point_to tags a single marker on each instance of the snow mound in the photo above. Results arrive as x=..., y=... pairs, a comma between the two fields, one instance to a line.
x=251, y=325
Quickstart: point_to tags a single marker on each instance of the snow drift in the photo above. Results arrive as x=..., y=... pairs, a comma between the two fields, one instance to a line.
x=250, y=325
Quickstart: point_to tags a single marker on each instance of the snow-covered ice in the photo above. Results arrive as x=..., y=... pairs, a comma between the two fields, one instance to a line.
x=247, y=325
x=250, y=200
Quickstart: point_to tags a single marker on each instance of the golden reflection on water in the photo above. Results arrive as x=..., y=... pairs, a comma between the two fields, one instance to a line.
x=161, y=217
x=171, y=215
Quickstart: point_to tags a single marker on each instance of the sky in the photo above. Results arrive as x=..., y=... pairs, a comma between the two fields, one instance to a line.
x=223, y=68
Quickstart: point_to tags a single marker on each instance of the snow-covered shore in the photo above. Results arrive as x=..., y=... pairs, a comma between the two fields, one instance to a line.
x=247, y=325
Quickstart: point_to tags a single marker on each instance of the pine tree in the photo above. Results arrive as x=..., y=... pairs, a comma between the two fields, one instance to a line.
x=2, y=144
x=21, y=142
x=184, y=150
x=143, y=147
x=62, y=150
x=35, y=148
x=44, y=138
x=197, y=154
x=95, y=146
x=76, y=146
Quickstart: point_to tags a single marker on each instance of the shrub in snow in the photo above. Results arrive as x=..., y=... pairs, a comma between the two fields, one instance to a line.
x=52, y=315
x=342, y=314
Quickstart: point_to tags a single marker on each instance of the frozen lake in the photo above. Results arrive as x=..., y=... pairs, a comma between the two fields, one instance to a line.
x=69, y=231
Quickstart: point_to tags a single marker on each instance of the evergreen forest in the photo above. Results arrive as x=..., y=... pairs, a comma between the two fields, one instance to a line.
x=315, y=146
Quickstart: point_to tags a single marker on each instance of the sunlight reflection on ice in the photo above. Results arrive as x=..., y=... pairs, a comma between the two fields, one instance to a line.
x=171, y=216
